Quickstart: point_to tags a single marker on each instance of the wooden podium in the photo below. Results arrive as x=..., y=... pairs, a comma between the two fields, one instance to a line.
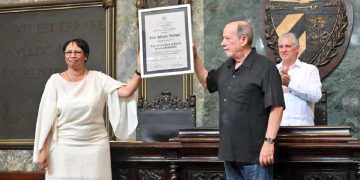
x=304, y=153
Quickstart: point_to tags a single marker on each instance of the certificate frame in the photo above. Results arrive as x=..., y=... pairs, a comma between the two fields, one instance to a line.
x=165, y=35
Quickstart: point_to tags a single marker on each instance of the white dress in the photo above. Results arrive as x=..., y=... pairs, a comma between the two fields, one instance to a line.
x=74, y=111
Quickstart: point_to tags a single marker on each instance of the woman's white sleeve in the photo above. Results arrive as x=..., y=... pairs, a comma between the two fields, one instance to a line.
x=46, y=115
x=122, y=114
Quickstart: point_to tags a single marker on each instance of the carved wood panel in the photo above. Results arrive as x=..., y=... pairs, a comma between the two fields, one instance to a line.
x=323, y=28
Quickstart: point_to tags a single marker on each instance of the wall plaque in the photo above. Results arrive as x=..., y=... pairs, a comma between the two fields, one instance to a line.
x=31, y=50
x=323, y=28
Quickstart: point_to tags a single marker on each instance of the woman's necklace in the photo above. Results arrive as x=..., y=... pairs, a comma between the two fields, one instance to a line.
x=71, y=78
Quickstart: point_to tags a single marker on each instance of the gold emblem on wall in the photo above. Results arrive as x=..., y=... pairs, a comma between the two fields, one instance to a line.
x=322, y=26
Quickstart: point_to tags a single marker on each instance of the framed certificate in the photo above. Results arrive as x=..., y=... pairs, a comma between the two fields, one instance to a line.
x=165, y=41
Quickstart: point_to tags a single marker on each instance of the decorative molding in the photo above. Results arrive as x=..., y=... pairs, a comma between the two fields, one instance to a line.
x=336, y=39
x=312, y=177
x=210, y=175
x=155, y=174
x=166, y=101
x=173, y=171
x=270, y=34
x=325, y=175
x=328, y=49
x=121, y=174
x=357, y=159
x=109, y=3
x=49, y=4
x=323, y=28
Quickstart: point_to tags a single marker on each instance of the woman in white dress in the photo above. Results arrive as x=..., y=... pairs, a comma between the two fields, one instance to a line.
x=71, y=141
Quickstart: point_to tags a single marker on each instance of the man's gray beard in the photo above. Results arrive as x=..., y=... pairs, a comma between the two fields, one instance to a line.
x=227, y=54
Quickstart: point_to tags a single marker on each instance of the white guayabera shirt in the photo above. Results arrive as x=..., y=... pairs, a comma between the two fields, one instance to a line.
x=301, y=94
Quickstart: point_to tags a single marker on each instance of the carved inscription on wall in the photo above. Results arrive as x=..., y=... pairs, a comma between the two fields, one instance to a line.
x=31, y=50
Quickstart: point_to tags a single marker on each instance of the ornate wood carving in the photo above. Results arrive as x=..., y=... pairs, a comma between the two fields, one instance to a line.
x=173, y=171
x=270, y=35
x=166, y=101
x=209, y=175
x=323, y=27
x=312, y=177
x=325, y=152
x=121, y=174
x=325, y=175
x=155, y=174
x=335, y=39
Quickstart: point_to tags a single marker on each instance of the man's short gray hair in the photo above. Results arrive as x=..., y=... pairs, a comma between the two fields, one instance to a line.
x=246, y=29
x=290, y=35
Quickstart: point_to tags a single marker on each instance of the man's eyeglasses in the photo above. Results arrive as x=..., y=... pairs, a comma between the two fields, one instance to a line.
x=76, y=53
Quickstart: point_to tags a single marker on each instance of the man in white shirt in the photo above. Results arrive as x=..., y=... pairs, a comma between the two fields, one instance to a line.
x=300, y=81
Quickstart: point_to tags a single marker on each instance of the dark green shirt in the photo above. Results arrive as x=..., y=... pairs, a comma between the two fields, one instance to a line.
x=246, y=96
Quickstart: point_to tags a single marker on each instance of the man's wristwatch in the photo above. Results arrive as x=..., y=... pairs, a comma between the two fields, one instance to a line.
x=269, y=140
